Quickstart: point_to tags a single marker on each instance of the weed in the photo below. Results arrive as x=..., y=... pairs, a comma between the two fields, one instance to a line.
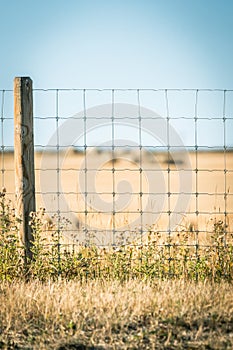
x=177, y=255
x=11, y=252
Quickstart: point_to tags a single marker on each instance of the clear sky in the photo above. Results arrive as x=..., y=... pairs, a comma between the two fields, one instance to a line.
x=120, y=44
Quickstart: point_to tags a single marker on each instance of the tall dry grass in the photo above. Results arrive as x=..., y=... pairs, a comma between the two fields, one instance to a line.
x=114, y=315
x=169, y=293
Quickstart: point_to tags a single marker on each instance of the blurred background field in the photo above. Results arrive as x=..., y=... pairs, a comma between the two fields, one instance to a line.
x=212, y=184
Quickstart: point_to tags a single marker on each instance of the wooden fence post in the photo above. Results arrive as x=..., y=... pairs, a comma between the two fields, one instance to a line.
x=24, y=158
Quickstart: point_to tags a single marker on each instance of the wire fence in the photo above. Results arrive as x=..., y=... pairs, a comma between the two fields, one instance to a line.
x=127, y=167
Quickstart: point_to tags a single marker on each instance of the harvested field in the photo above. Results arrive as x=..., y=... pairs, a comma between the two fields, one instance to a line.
x=214, y=188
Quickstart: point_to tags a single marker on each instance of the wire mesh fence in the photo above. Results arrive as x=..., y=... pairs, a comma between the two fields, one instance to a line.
x=123, y=168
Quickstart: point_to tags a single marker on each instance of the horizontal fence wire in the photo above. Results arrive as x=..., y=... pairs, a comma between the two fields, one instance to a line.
x=130, y=168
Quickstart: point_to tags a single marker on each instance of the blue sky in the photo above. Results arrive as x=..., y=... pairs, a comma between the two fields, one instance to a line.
x=120, y=44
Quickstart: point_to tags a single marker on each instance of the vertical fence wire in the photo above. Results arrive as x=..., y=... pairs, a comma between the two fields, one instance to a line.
x=2, y=137
x=140, y=167
x=87, y=236
x=140, y=209
x=168, y=180
x=196, y=178
x=225, y=167
x=58, y=183
x=113, y=171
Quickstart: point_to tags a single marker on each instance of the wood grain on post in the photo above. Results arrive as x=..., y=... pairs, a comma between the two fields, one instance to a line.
x=24, y=158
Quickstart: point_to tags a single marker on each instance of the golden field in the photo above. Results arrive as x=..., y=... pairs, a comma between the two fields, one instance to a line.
x=213, y=186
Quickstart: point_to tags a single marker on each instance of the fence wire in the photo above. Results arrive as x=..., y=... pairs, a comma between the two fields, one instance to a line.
x=127, y=167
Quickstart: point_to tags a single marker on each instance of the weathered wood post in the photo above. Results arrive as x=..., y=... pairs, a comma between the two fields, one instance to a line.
x=24, y=158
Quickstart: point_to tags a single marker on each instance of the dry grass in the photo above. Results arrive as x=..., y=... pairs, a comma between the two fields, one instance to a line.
x=114, y=315
x=133, y=297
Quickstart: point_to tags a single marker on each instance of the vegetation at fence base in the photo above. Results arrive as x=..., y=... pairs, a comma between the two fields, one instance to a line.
x=157, y=295
x=172, y=314
x=160, y=257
